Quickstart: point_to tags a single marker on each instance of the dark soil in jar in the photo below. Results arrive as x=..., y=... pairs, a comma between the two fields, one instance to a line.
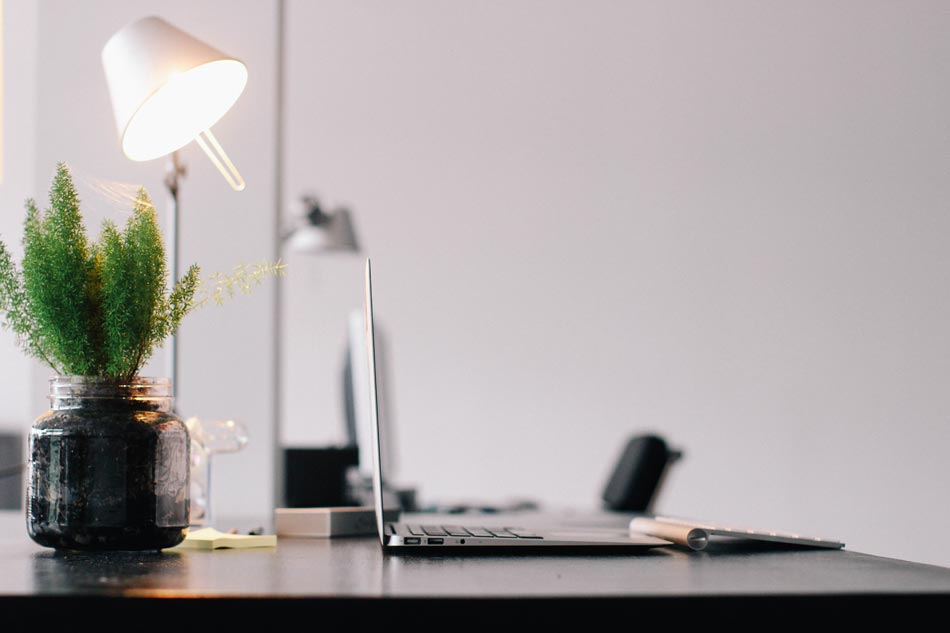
x=108, y=475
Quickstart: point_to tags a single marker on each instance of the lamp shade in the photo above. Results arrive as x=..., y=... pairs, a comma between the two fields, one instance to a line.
x=166, y=86
x=334, y=233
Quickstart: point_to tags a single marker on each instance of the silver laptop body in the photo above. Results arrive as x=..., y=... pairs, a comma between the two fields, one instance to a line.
x=433, y=534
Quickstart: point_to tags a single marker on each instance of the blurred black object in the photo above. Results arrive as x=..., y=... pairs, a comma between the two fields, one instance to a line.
x=508, y=507
x=636, y=479
x=11, y=471
x=317, y=477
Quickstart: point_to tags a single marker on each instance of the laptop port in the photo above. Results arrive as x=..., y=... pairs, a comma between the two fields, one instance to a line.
x=412, y=540
x=435, y=541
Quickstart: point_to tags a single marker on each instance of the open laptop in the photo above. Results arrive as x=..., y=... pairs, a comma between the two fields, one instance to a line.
x=431, y=534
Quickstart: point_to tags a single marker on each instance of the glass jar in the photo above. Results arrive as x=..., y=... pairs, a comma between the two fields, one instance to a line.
x=209, y=437
x=108, y=467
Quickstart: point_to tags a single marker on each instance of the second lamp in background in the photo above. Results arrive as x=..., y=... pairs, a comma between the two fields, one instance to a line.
x=316, y=231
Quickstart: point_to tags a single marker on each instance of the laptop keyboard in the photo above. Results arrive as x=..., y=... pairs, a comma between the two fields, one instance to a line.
x=479, y=532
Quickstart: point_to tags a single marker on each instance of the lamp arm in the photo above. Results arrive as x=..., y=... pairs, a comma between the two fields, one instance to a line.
x=220, y=159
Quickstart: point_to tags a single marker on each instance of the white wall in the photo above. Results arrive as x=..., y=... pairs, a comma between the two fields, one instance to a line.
x=19, y=133
x=226, y=352
x=722, y=222
x=725, y=222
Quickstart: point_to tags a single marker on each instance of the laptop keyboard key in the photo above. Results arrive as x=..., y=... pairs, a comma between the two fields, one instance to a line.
x=415, y=530
x=480, y=532
x=501, y=533
x=433, y=530
x=455, y=530
x=524, y=533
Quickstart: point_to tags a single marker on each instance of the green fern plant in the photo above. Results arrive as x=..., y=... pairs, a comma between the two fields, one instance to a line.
x=100, y=309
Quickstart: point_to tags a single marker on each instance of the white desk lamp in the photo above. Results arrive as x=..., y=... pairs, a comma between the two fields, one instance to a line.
x=317, y=231
x=168, y=89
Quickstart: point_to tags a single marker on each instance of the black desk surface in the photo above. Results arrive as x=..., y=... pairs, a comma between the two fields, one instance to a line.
x=352, y=575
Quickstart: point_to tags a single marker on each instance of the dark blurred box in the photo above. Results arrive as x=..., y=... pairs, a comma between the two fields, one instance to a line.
x=11, y=471
x=317, y=477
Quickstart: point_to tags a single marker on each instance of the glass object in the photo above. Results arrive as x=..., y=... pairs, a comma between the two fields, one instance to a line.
x=108, y=467
x=209, y=437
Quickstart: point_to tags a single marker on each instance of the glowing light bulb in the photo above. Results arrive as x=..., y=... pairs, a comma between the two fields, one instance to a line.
x=188, y=104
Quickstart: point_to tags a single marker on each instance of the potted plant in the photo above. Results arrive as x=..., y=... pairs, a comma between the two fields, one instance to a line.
x=109, y=463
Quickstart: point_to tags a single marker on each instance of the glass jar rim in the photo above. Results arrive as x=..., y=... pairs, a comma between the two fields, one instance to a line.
x=137, y=381
x=66, y=391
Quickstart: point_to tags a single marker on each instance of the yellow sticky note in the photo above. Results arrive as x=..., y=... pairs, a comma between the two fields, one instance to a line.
x=210, y=538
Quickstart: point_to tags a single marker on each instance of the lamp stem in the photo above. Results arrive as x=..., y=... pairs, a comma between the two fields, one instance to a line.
x=174, y=172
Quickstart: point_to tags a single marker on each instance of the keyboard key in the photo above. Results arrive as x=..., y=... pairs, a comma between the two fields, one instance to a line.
x=433, y=530
x=501, y=533
x=455, y=530
x=415, y=530
x=524, y=533
x=480, y=532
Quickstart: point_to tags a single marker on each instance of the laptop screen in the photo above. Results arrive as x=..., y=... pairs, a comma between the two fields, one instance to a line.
x=378, y=488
